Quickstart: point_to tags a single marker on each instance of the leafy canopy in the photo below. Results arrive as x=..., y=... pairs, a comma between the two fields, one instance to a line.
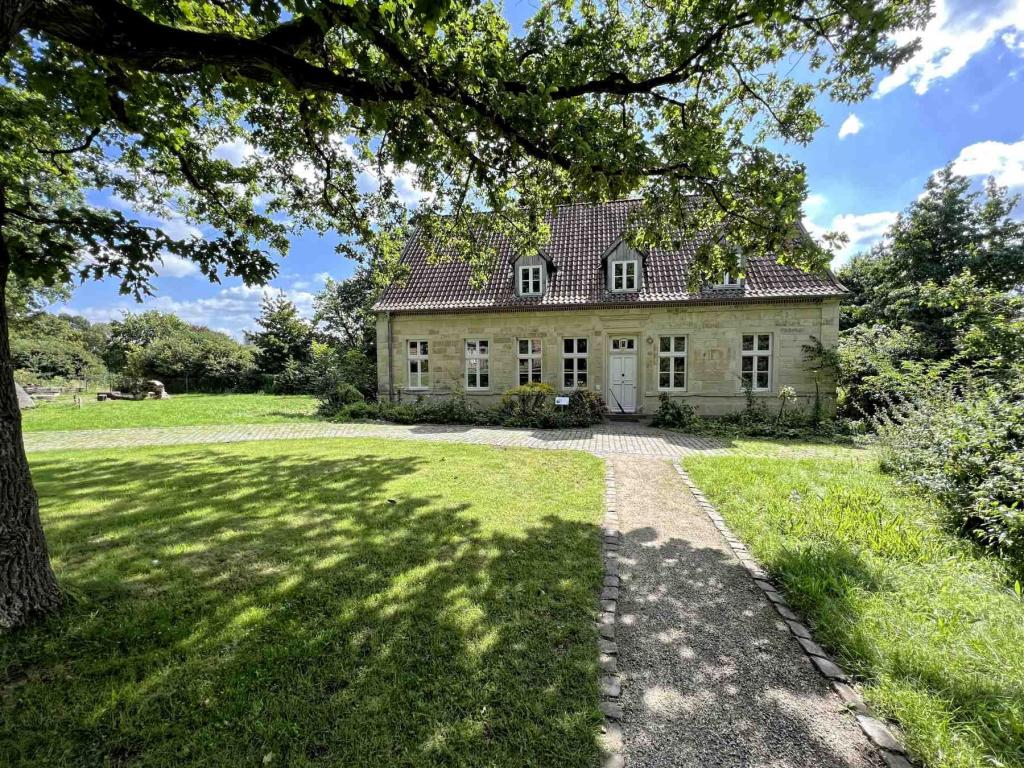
x=254, y=119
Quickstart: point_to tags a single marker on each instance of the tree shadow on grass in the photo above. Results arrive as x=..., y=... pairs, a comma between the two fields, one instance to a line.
x=232, y=605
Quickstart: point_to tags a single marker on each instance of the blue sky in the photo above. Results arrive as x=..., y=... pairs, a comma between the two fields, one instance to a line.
x=960, y=100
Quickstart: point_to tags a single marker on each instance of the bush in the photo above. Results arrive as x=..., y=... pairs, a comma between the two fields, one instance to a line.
x=880, y=367
x=585, y=408
x=672, y=414
x=527, y=404
x=358, y=410
x=965, y=445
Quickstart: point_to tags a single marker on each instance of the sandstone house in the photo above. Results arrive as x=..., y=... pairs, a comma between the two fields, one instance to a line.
x=591, y=312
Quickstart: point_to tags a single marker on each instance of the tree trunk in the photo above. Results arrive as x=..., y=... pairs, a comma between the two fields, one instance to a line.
x=28, y=587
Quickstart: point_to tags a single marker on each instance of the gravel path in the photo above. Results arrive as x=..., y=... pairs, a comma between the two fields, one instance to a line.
x=711, y=676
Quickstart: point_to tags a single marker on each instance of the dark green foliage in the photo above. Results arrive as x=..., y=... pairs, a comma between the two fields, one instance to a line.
x=284, y=339
x=672, y=414
x=528, y=406
x=964, y=443
x=934, y=356
x=946, y=232
x=880, y=366
x=47, y=347
x=339, y=395
x=186, y=358
x=585, y=408
x=344, y=314
x=524, y=405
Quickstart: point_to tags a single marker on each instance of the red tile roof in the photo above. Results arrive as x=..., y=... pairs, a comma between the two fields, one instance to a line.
x=580, y=235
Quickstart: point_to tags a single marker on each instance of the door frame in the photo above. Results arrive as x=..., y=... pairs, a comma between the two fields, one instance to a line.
x=613, y=407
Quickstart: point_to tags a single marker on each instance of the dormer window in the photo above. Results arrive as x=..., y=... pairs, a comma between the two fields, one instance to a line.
x=729, y=280
x=530, y=280
x=624, y=275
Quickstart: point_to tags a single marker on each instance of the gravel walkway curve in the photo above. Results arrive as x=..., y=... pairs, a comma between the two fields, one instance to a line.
x=711, y=675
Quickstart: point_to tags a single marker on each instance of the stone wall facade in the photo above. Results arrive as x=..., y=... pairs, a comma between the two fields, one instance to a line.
x=714, y=340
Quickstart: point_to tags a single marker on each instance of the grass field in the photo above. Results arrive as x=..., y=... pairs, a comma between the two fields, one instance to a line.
x=356, y=602
x=179, y=411
x=934, y=630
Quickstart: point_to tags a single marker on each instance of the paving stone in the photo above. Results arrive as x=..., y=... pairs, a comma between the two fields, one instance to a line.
x=799, y=629
x=608, y=605
x=609, y=647
x=879, y=733
x=608, y=664
x=811, y=647
x=828, y=668
x=895, y=760
x=610, y=593
x=611, y=686
x=611, y=581
x=776, y=598
x=850, y=697
x=612, y=710
x=786, y=613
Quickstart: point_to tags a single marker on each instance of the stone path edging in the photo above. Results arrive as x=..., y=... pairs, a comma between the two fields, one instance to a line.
x=878, y=733
x=608, y=649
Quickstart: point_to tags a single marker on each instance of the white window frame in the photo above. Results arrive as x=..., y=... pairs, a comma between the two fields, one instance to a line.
x=620, y=277
x=672, y=355
x=534, y=278
x=729, y=280
x=483, y=364
x=533, y=359
x=421, y=356
x=575, y=356
x=755, y=354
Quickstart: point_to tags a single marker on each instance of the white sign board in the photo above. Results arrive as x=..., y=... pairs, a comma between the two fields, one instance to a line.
x=561, y=400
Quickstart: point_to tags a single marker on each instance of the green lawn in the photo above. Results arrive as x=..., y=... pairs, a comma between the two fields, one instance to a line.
x=349, y=603
x=179, y=411
x=932, y=629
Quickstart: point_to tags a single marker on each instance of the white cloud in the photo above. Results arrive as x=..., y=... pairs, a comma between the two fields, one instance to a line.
x=369, y=176
x=814, y=203
x=863, y=231
x=232, y=310
x=175, y=266
x=235, y=152
x=850, y=126
x=1014, y=41
x=952, y=38
x=993, y=158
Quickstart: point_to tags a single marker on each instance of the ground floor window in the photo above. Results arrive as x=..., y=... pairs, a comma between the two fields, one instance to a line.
x=477, y=364
x=671, y=362
x=529, y=361
x=574, y=363
x=419, y=365
x=756, y=361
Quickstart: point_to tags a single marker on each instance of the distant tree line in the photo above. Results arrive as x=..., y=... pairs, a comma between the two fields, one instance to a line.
x=286, y=354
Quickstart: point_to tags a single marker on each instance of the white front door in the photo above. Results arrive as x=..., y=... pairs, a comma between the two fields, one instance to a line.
x=622, y=374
